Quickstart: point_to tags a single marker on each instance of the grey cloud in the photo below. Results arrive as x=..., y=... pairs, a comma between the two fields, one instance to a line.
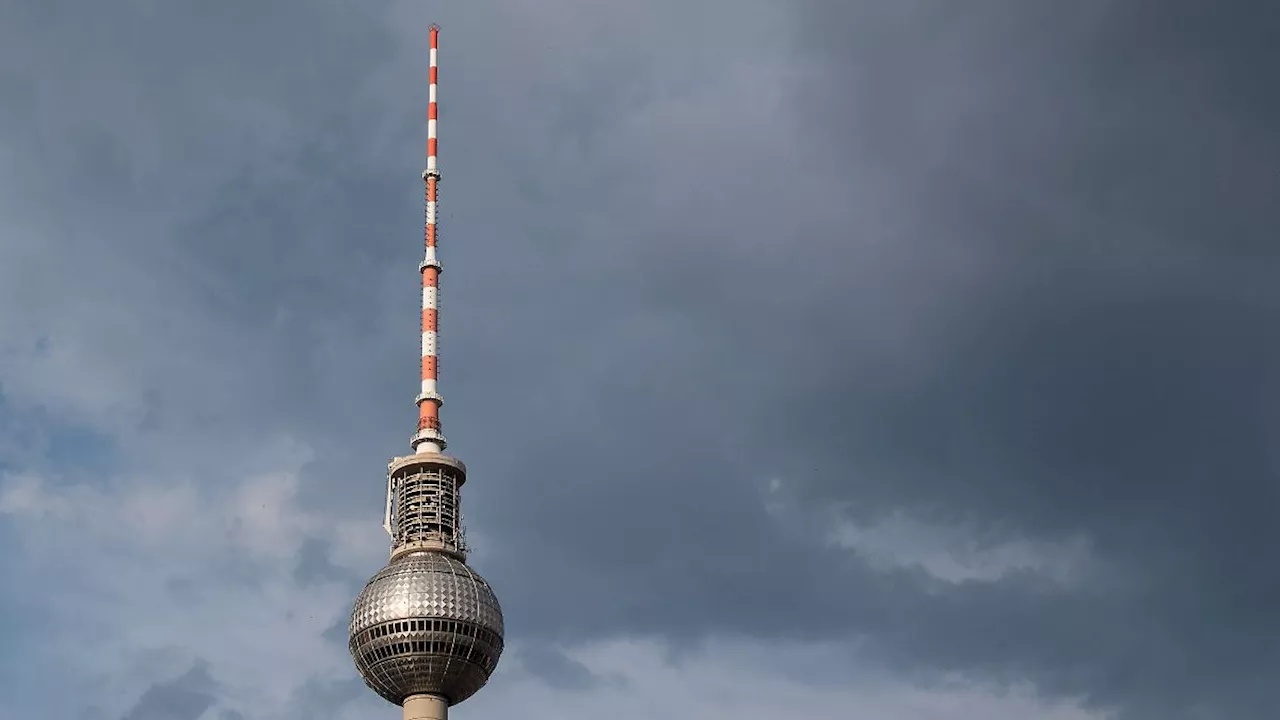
x=558, y=670
x=324, y=698
x=314, y=564
x=337, y=633
x=184, y=698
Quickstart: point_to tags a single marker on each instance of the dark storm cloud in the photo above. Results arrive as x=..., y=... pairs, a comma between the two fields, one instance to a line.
x=1060, y=221
x=1116, y=373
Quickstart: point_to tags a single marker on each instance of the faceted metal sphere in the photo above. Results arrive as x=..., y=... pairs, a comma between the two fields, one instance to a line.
x=426, y=624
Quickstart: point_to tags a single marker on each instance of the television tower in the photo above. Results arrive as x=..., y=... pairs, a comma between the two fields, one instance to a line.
x=426, y=631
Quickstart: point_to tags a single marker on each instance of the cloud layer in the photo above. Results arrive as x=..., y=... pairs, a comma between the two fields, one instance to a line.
x=900, y=359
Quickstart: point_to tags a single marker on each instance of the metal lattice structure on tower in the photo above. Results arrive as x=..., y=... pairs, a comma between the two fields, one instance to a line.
x=426, y=631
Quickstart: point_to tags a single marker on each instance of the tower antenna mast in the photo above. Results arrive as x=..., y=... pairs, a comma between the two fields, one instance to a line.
x=429, y=437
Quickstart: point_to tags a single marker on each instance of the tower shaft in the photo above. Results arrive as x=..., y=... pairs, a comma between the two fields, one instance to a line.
x=426, y=707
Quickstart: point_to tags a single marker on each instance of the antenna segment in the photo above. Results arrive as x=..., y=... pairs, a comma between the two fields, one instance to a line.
x=429, y=438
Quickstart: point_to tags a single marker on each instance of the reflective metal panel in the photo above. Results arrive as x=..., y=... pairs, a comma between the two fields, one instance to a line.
x=426, y=624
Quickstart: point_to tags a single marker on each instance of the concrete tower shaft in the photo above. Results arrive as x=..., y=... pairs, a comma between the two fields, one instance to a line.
x=426, y=631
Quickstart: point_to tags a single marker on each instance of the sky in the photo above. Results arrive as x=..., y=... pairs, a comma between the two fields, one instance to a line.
x=910, y=360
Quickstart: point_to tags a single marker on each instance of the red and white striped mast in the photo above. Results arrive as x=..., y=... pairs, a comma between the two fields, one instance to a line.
x=429, y=438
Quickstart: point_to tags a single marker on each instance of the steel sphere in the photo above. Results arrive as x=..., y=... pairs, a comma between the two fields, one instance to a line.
x=426, y=624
